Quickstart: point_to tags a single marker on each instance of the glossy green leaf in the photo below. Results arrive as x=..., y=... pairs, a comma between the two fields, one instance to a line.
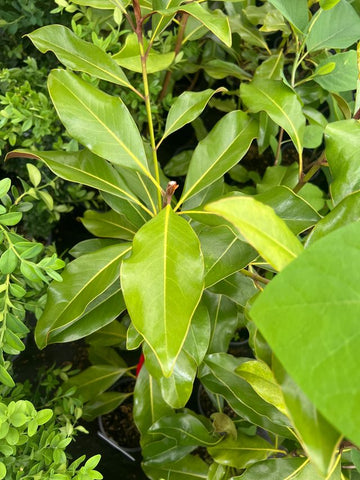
x=261, y=227
x=224, y=321
x=85, y=168
x=77, y=54
x=5, y=185
x=102, y=311
x=242, y=452
x=313, y=307
x=90, y=245
x=175, y=389
x=8, y=261
x=220, y=69
x=223, y=148
x=198, y=337
x=97, y=120
x=101, y=4
x=237, y=287
x=294, y=210
x=327, y=4
x=102, y=404
x=186, y=429
x=342, y=144
x=189, y=468
x=113, y=334
x=295, y=12
x=259, y=375
x=157, y=286
x=219, y=377
x=334, y=28
x=5, y=377
x=95, y=380
x=224, y=254
x=186, y=108
x=108, y=224
x=343, y=77
x=149, y=406
x=129, y=57
x=273, y=469
x=318, y=438
x=10, y=219
x=132, y=213
x=345, y=212
x=271, y=68
x=84, y=280
x=280, y=102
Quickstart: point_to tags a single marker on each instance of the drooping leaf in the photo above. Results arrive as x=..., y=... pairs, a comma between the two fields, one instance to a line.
x=102, y=404
x=313, y=306
x=318, y=438
x=334, y=28
x=280, y=102
x=223, y=147
x=160, y=295
x=345, y=212
x=129, y=57
x=77, y=54
x=224, y=253
x=84, y=280
x=85, y=168
x=219, y=377
x=95, y=380
x=295, y=12
x=342, y=144
x=186, y=108
x=108, y=224
x=262, y=228
x=99, y=121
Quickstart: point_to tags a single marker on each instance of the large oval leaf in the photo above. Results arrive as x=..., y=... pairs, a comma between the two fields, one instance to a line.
x=188, y=468
x=77, y=54
x=84, y=279
x=97, y=120
x=342, y=146
x=162, y=283
x=262, y=228
x=295, y=12
x=280, y=102
x=221, y=149
x=335, y=28
x=313, y=308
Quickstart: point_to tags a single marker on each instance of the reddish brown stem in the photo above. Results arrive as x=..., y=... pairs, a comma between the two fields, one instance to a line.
x=177, y=49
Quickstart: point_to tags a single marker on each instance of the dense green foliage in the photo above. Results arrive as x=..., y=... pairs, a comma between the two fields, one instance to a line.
x=181, y=261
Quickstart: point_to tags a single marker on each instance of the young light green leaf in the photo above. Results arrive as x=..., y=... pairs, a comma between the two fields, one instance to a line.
x=295, y=12
x=186, y=108
x=261, y=227
x=84, y=280
x=77, y=54
x=313, y=306
x=337, y=27
x=213, y=20
x=5, y=377
x=280, y=102
x=157, y=286
x=220, y=150
x=97, y=120
x=5, y=185
x=10, y=219
x=34, y=174
x=8, y=261
x=129, y=57
x=328, y=4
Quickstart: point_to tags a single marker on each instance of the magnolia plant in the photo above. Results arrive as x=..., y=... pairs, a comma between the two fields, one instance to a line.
x=175, y=270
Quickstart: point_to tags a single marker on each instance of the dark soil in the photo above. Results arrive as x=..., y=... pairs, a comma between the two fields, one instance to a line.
x=207, y=408
x=119, y=424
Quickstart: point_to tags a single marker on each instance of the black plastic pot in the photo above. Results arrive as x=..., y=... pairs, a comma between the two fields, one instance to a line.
x=128, y=452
